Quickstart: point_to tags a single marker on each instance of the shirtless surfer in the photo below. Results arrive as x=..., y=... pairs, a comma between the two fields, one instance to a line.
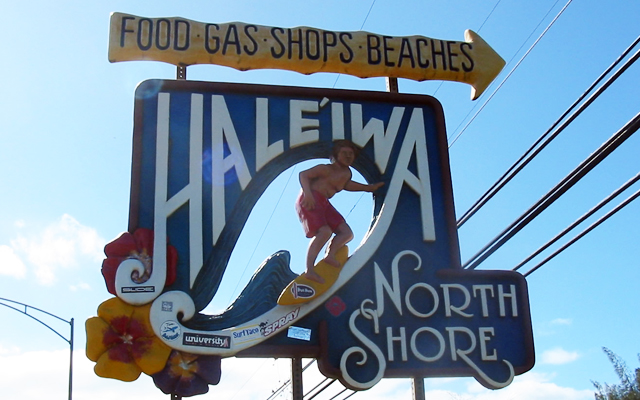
x=320, y=220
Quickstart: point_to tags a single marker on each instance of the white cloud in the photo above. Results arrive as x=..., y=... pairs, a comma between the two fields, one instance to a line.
x=562, y=321
x=242, y=379
x=10, y=263
x=559, y=356
x=529, y=386
x=80, y=286
x=58, y=246
x=9, y=350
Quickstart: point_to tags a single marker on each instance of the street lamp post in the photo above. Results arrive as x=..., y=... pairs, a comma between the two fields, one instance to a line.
x=13, y=305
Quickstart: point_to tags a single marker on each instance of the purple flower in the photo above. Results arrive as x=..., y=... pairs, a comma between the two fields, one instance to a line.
x=188, y=374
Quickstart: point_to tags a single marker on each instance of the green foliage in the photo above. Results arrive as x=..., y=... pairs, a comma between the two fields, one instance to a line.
x=629, y=386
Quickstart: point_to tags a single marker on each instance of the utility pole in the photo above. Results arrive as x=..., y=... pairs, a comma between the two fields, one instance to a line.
x=70, y=340
x=296, y=378
x=417, y=383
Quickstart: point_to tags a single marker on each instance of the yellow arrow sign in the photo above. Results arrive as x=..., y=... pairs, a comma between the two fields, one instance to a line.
x=306, y=50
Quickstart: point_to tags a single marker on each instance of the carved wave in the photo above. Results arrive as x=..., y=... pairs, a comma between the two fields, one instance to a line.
x=258, y=297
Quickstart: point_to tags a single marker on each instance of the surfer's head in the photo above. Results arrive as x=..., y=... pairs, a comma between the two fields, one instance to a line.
x=339, y=144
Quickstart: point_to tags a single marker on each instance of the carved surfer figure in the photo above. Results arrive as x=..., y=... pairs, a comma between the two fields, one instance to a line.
x=320, y=220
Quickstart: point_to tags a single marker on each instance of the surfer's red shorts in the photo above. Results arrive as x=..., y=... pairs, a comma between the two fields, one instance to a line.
x=323, y=214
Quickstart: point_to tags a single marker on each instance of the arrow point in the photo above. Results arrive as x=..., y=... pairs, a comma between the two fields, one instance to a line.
x=488, y=62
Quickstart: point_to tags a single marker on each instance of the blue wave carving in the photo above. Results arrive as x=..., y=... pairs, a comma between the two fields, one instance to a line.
x=258, y=297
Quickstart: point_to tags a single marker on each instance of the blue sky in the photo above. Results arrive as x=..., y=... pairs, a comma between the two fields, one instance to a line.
x=65, y=156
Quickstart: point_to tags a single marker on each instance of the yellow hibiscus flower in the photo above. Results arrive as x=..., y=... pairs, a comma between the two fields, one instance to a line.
x=122, y=343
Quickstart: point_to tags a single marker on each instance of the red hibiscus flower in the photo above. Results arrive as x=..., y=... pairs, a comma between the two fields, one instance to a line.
x=138, y=246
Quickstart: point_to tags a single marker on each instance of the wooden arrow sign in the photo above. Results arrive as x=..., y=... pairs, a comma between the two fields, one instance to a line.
x=306, y=50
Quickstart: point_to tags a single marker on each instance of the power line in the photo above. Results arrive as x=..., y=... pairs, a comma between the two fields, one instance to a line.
x=368, y=13
x=354, y=206
x=580, y=220
x=539, y=145
x=247, y=381
x=352, y=393
x=361, y=27
x=488, y=16
x=441, y=82
x=342, y=391
x=571, y=179
x=326, y=385
x=479, y=29
x=287, y=383
x=279, y=390
x=262, y=234
x=589, y=229
x=510, y=72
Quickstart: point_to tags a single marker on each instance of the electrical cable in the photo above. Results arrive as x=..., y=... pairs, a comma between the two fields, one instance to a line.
x=288, y=381
x=587, y=230
x=352, y=393
x=510, y=73
x=342, y=391
x=334, y=85
x=441, y=82
x=488, y=16
x=247, y=381
x=475, y=264
x=367, y=16
x=354, y=206
x=261, y=235
x=279, y=390
x=533, y=151
x=321, y=389
x=308, y=364
x=316, y=386
x=579, y=220
x=571, y=179
x=478, y=31
x=361, y=26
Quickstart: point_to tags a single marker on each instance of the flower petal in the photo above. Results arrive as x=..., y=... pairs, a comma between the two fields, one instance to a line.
x=191, y=387
x=144, y=240
x=209, y=369
x=182, y=364
x=121, y=247
x=149, y=352
x=109, y=368
x=96, y=328
x=109, y=267
x=172, y=262
x=143, y=327
x=155, y=355
x=113, y=310
x=165, y=381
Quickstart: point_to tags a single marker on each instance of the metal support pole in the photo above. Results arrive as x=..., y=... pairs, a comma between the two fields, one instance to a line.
x=296, y=378
x=417, y=386
x=70, y=358
x=70, y=340
x=417, y=383
x=181, y=73
x=392, y=85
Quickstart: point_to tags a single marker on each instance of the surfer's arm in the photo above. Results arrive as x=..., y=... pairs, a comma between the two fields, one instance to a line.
x=352, y=186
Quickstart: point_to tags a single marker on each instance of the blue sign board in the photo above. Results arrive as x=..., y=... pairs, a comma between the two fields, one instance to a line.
x=402, y=306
